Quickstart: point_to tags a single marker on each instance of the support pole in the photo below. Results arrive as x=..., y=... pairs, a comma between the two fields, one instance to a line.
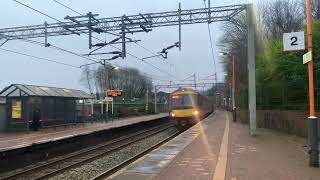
x=179, y=26
x=147, y=101
x=195, y=81
x=112, y=108
x=107, y=102
x=83, y=110
x=102, y=107
x=209, y=11
x=107, y=85
x=251, y=70
x=230, y=97
x=91, y=107
x=90, y=30
x=312, y=119
x=123, y=36
x=155, y=100
x=146, y=97
x=234, y=109
x=46, y=34
x=216, y=94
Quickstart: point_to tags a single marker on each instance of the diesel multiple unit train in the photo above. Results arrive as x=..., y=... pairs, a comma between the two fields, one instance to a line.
x=188, y=107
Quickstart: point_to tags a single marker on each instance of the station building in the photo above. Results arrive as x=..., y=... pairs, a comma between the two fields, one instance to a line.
x=58, y=106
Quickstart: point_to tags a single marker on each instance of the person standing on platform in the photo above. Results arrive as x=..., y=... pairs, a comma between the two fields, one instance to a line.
x=36, y=119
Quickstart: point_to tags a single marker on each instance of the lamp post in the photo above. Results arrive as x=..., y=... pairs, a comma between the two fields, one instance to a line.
x=106, y=70
x=234, y=91
x=155, y=99
x=234, y=108
x=106, y=73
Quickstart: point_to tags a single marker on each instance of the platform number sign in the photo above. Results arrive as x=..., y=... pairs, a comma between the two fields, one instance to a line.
x=293, y=41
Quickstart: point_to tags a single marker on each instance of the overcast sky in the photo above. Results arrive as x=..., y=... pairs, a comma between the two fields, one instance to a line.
x=195, y=56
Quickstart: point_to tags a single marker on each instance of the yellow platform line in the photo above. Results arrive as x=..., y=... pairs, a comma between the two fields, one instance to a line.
x=220, y=171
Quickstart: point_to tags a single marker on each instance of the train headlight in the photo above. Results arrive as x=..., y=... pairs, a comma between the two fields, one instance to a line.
x=173, y=114
x=196, y=112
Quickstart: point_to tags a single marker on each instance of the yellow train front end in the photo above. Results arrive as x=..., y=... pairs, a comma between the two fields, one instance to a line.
x=184, y=108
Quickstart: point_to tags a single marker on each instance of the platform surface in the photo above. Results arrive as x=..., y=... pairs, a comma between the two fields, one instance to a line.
x=14, y=140
x=220, y=149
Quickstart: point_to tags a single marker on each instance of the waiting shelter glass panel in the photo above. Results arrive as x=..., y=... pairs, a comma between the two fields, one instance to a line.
x=63, y=93
x=50, y=91
x=25, y=89
x=37, y=90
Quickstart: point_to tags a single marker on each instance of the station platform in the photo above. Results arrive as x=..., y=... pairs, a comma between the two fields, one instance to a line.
x=219, y=149
x=15, y=140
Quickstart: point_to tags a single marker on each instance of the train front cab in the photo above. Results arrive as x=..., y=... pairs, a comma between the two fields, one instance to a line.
x=185, y=109
x=185, y=117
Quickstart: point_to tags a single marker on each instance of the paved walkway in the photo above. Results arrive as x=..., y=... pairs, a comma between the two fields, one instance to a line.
x=191, y=155
x=219, y=149
x=268, y=156
x=199, y=159
x=13, y=140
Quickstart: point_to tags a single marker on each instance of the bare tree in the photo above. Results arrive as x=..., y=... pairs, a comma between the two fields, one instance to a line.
x=315, y=8
x=234, y=43
x=86, y=78
x=131, y=81
x=281, y=16
x=274, y=18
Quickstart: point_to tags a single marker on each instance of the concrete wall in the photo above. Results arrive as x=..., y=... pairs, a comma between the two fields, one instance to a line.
x=294, y=122
x=3, y=117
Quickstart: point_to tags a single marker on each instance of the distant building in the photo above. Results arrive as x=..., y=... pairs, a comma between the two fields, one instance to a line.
x=58, y=106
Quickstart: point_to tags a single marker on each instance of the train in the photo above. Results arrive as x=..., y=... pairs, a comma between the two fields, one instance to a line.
x=187, y=107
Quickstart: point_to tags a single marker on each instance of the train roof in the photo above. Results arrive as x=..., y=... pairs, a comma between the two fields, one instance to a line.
x=184, y=91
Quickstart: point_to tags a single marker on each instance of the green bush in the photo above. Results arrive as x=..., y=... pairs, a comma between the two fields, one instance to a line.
x=282, y=79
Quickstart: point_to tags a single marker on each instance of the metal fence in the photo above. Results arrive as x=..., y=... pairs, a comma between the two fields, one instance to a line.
x=121, y=110
x=291, y=95
x=278, y=95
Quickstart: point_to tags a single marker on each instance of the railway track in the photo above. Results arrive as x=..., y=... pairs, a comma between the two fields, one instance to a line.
x=124, y=163
x=62, y=164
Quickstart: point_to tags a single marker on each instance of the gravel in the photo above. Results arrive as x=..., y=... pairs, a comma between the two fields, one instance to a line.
x=105, y=163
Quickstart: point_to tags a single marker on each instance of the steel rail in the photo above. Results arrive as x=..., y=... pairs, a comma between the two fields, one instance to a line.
x=132, y=159
x=75, y=159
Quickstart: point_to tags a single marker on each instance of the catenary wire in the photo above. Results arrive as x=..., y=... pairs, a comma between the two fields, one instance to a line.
x=146, y=49
x=143, y=47
x=39, y=58
x=67, y=7
x=95, y=38
x=211, y=44
x=54, y=47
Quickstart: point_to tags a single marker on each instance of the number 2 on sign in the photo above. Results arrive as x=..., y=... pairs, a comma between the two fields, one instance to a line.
x=294, y=40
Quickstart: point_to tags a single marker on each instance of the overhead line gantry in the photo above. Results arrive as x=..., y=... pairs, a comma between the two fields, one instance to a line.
x=133, y=23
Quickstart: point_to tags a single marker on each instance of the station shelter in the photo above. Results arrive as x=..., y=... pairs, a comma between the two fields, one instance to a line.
x=58, y=106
